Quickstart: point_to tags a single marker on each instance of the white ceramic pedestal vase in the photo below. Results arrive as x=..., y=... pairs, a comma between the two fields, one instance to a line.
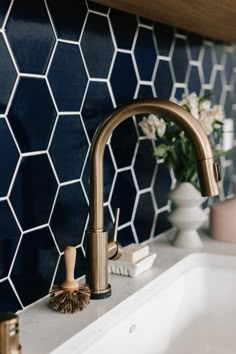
x=187, y=215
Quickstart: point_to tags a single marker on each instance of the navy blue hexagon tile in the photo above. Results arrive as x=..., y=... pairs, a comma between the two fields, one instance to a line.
x=34, y=265
x=194, y=81
x=79, y=267
x=69, y=147
x=7, y=75
x=68, y=18
x=126, y=236
x=144, y=217
x=162, y=185
x=10, y=235
x=180, y=60
x=97, y=45
x=97, y=105
x=163, y=80
x=195, y=43
x=109, y=173
x=3, y=10
x=144, y=91
x=67, y=77
x=162, y=223
x=123, y=78
x=8, y=157
x=124, y=34
x=207, y=63
x=124, y=195
x=179, y=93
x=145, y=163
x=145, y=53
x=30, y=35
x=8, y=299
x=32, y=114
x=145, y=21
x=69, y=215
x=33, y=191
x=123, y=143
x=164, y=38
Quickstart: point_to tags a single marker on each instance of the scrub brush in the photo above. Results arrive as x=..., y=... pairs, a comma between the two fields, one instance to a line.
x=71, y=296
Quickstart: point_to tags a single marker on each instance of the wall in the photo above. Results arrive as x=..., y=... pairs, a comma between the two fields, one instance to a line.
x=62, y=69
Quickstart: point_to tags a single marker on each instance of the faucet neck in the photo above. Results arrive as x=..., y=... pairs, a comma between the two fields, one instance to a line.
x=141, y=106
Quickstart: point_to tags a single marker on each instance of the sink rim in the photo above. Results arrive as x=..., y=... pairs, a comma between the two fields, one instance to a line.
x=83, y=340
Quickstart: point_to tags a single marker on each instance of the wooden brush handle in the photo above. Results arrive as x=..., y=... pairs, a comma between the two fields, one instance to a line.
x=70, y=258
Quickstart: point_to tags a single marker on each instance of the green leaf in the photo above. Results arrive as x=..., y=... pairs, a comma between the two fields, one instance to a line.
x=160, y=150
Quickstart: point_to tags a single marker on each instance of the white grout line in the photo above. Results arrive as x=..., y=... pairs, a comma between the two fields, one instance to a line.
x=134, y=233
x=53, y=168
x=53, y=205
x=12, y=95
x=51, y=19
x=7, y=15
x=34, y=76
x=15, y=291
x=15, y=216
x=148, y=27
x=95, y=12
x=15, y=254
x=54, y=239
x=85, y=66
x=10, y=52
x=71, y=181
x=51, y=94
x=52, y=133
x=51, y=59
x=33, y=153
x=36, y=228
x=67, y=41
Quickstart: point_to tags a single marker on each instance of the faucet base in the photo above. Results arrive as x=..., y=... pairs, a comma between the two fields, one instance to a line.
x=101, y=294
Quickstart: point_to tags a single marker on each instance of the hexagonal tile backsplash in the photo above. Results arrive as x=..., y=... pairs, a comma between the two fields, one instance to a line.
x=62, y=70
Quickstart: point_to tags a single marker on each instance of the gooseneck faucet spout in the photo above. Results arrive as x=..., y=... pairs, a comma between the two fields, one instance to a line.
x=97, y=238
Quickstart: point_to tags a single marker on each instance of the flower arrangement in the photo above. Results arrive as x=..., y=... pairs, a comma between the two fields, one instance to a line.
x=174, y=147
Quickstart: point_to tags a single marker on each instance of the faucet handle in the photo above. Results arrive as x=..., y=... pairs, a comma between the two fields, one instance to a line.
x=114, y=249
x=117, y=217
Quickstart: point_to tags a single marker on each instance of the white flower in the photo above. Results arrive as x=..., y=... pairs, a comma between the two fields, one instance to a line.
x=159, y=124
x=195, y=112
x=148, y=129
x=217, y=112
x=192, y=102
x=205, y=105
x=161, y=129
x=152, y=126
x=206, y=121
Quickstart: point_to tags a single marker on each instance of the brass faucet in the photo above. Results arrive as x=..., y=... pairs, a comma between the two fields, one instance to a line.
x=98, y=247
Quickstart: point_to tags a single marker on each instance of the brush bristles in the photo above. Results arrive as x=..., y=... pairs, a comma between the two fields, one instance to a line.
x=67, y=301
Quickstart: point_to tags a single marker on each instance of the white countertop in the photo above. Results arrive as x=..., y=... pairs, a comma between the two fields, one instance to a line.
x=43, y=330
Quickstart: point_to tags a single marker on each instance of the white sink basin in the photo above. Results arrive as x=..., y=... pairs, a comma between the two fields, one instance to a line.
x=189, y=309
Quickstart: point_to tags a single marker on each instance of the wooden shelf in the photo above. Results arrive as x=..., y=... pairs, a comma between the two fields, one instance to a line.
x=211, y=18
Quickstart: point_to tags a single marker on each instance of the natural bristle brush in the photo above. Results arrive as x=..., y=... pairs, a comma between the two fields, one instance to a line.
x=70, y=296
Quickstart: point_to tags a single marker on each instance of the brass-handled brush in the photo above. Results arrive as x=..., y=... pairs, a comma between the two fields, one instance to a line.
x=71, y=296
